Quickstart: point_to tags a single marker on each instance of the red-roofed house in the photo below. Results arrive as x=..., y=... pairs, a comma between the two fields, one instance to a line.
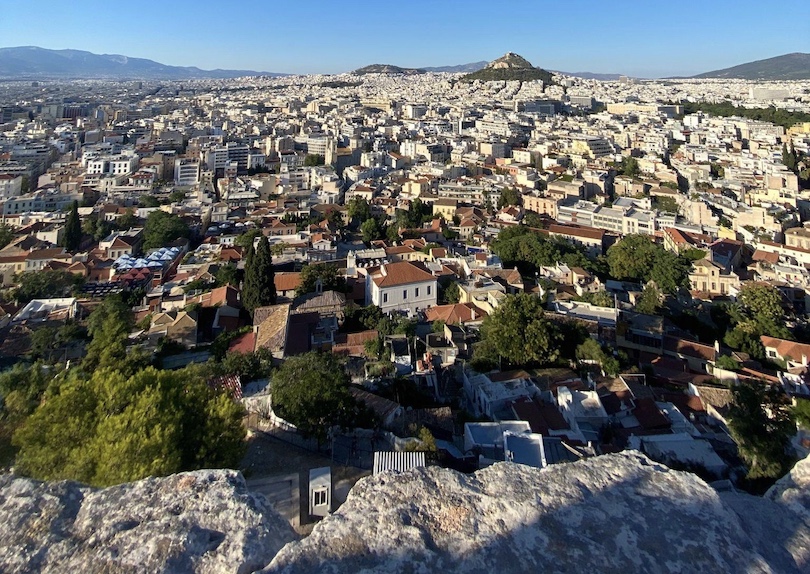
x=792, y=353
x=402, y=286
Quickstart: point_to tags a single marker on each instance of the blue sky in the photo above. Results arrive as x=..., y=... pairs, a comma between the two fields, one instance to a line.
x=645, y=38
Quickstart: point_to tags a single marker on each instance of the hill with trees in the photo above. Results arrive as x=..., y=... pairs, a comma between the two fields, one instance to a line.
x=387, y=69
x=510, y=67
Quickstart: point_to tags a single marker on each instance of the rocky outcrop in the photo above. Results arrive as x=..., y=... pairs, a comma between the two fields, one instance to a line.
x=204, y=521
x=619, y=513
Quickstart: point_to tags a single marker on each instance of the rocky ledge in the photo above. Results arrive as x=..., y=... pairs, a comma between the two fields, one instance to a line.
x=203, y=521
x=617, y=513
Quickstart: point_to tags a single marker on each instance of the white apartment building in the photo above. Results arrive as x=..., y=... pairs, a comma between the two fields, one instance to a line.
x=186, y=171
x=10, y=185
x=401, y=286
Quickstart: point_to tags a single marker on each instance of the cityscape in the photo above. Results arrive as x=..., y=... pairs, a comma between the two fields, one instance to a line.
x=449, y=317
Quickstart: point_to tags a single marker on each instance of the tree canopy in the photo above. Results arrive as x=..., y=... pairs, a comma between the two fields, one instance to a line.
x=762, y=424
x=637, y=258
x=162, y=228
x=359, y=209
x=330, y=277
x=518, y=333
x=312, y=392
x=45, y=284
x=518, y=246
x=109, y=428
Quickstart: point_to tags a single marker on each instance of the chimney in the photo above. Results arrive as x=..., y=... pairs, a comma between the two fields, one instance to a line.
x=716, y=346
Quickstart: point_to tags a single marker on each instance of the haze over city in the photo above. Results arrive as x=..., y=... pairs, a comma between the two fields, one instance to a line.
x=635, y=38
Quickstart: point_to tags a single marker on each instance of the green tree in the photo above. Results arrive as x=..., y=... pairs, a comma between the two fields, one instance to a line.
x=629, y=167
x=450, y=294
x=761, y=423
x=632, y=257
x=517, y=333
x=762, y=303
x=110, y=428
x=650, y=301
x=162, y=228
x=109, y=326
x=72, y=238
x=590, y=350
x=371, y=230
x=260, y=287
x=329, y=276
x=227, y=275
x=128, y=220
x=247, y=366
x=312, y=392
x=358, y=209
x=801, y=412
x=6, y=234
x=599, y=298
x=247, y=239
x=313, y=159
x=509, y=196
x=45, y=284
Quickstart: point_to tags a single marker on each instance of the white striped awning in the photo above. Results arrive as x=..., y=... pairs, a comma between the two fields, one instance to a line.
x=399, y=461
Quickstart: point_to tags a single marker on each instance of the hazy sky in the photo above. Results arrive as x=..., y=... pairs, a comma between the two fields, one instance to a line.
x=645, y=38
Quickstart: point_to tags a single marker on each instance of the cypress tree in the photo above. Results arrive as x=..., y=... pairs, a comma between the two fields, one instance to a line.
x=265, y=277
x=73, y=230
x=249, y=284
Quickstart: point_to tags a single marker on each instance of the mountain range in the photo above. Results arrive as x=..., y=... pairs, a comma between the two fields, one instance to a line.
x=33, y=62
x=795, y=66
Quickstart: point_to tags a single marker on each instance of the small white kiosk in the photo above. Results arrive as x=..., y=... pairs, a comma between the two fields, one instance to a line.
x=320, y=491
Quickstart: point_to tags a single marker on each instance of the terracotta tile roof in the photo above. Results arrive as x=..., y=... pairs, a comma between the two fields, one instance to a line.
x=244, y=343
x=767, y=256
x=287, y=281
x=353, y=343
x=401, y=273
x=689, y=348
x=271, y=332
x=577, y=231
x=454, y=314
x=798, y=352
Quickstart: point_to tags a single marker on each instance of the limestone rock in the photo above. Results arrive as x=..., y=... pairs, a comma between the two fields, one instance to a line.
x=203, y=521
x=617, y=513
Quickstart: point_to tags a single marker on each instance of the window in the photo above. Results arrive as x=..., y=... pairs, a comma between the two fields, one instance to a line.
x=321, y=497
x=404, y=294
x=385, y=297
x=428, y=289
x=416, y=292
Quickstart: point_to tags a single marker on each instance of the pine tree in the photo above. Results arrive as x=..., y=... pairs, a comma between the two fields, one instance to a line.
x=73, y=230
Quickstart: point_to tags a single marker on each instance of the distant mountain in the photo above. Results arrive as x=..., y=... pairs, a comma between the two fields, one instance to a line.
x=387, y=69
x=508, y=67
x=34, y=62
x=794, y=66
x=461, y=68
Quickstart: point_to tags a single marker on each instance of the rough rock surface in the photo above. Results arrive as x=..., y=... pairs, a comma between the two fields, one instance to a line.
x=620, y=513
x=203, y=521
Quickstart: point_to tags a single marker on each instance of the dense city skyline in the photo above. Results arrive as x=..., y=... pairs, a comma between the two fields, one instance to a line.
x=320, y=37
